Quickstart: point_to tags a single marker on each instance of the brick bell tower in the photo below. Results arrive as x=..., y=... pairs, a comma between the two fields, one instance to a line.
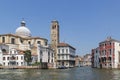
x=54, y=38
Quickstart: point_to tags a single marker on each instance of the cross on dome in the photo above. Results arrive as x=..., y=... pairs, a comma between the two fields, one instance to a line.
x=23, y=23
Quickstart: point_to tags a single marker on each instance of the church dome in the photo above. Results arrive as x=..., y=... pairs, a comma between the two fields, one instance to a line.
x=23, y=30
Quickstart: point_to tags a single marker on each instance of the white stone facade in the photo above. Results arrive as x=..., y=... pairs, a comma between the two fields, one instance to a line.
x=96, y=57
x=87, y=60
x=14, y=58
x=14, y=45
x=65, y=55
x=45, y=54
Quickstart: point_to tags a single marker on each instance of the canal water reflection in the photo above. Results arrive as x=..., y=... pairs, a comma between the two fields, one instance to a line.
x=81, y=73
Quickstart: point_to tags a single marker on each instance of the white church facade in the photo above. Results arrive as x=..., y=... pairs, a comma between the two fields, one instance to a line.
x=13, y=46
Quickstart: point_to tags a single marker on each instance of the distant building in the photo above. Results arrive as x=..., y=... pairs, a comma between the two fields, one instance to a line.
x=107, y=55
x=65, y=55
x=12, y=47
x=78, y=61
x=87, y=60
x=95, y=57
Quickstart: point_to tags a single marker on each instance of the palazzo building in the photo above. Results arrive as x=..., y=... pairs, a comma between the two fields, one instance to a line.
x=107, y=55
x=65, y=55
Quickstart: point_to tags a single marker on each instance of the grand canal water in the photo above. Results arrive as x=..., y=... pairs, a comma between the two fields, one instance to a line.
x=81, y=73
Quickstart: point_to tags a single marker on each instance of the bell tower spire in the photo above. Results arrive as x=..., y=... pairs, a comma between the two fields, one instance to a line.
x=54, y=32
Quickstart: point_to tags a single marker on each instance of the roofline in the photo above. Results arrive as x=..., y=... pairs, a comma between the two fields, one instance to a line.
x=112, y=40
x=9, y=34
x=22, y=37
x=67, y=45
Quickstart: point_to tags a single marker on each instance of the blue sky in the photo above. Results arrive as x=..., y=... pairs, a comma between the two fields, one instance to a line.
x=83, y=23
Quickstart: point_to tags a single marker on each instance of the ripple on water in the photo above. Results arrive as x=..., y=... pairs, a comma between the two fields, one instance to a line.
x=81, y=73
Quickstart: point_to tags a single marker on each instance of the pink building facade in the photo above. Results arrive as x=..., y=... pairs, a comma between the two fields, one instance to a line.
x=107, y=55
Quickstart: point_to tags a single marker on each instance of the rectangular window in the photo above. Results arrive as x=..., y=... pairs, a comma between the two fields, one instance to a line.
x=58, y=51
x=66, y=56
x=45, y=43
x=66, y=50
x=110, y=43
x=40, y=60
x=52, y=60
x=48, y=54
x=52, y=54
x=63, y=57
x=21, y=57
x=105, y=44
x=21, y=63
x=105, y=52
x=62, y=50
x=14, y=52
x=17, y=63
x=3, y=58
x=110, y=51
x=4, y=63
x=3, y=39
x=7, y=58
x=17, y=57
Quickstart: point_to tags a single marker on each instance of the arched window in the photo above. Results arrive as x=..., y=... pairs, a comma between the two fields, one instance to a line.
x=12, y=41
x=4, y=50
x=38, y=42
x=29, y=42
x=21, y=40
x=110, y=59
